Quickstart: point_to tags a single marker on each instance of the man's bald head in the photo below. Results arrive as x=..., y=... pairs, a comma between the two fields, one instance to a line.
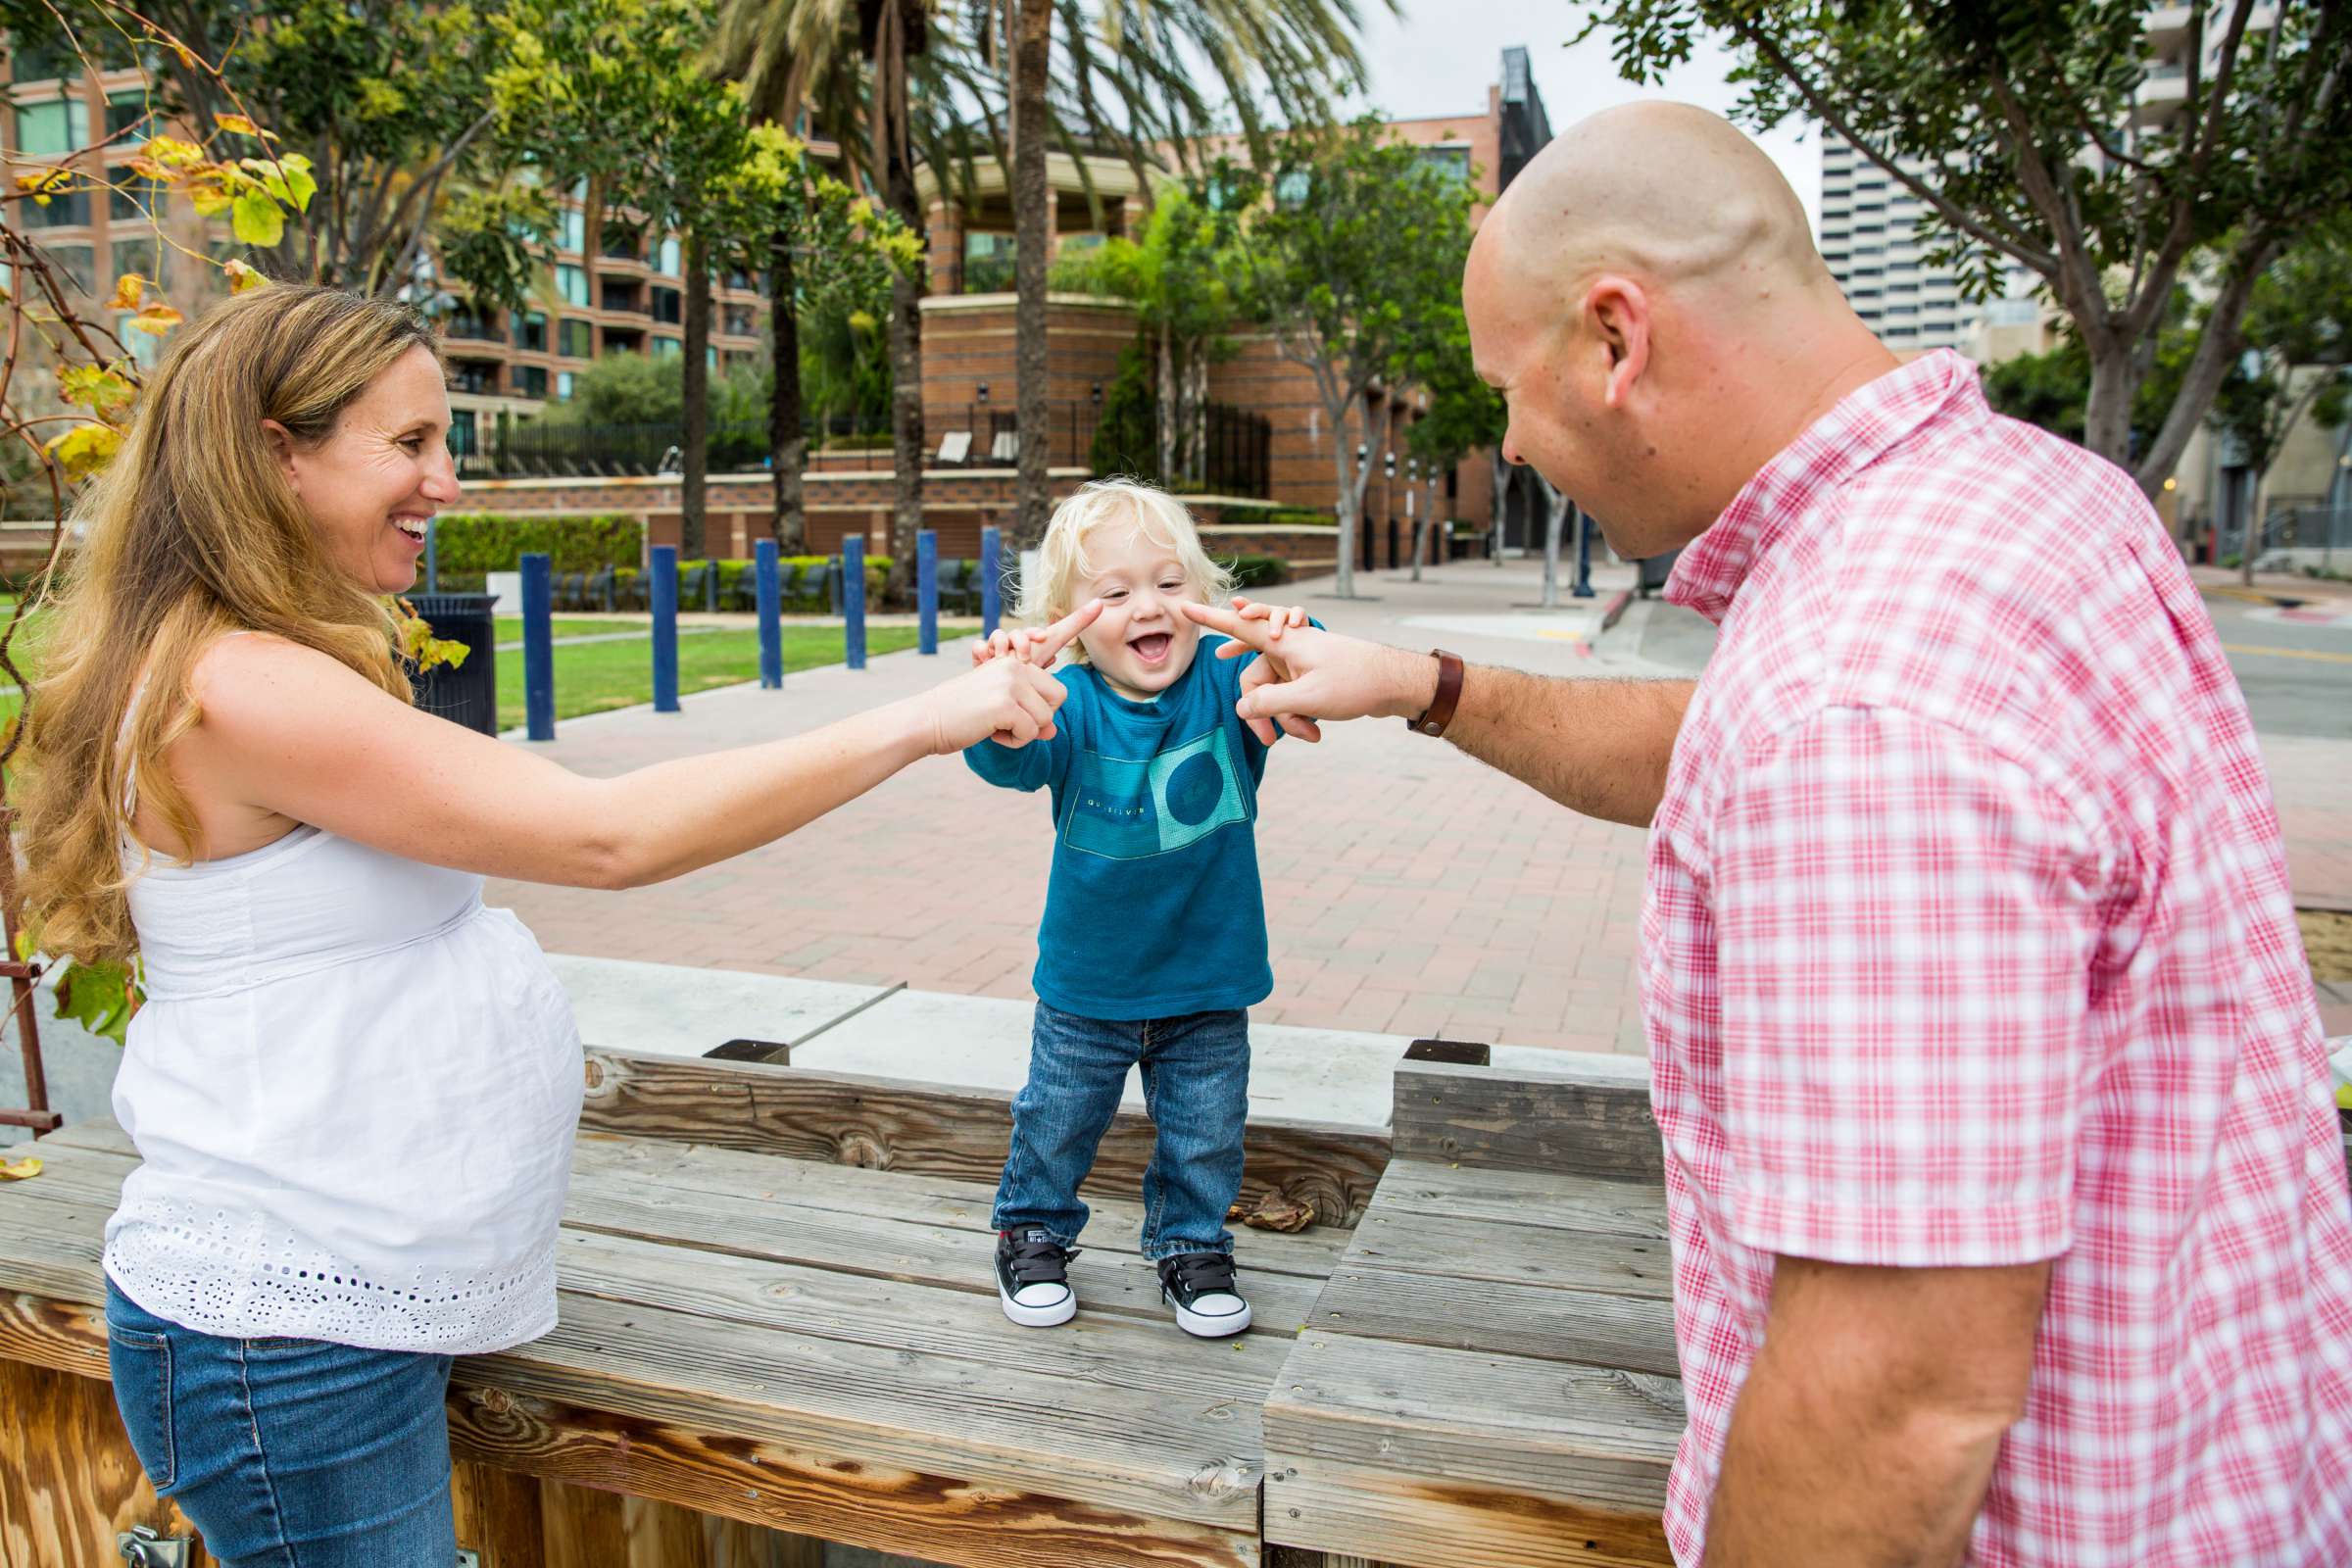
x=1648, y=298
x=1666, y=193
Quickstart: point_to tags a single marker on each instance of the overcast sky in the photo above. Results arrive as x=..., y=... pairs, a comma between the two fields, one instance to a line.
x=1441, y=55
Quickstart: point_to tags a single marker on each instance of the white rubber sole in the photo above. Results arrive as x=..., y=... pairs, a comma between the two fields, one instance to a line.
x=1200, y=1326
x=1038, y=1317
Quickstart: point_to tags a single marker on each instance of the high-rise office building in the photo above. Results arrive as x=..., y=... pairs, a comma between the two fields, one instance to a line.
x=1870, y=237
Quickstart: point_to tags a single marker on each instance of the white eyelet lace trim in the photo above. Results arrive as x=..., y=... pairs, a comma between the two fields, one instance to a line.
x=222, y=1274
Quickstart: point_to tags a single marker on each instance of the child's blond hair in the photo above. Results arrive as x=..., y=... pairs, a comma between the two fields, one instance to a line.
x=1150, y=511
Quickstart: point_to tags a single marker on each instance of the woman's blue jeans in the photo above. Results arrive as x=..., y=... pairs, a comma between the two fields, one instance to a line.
x=288, y=1453
x=1195, y=1072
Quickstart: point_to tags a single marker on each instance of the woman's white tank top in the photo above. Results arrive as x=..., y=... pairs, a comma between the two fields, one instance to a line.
x=352, y=1087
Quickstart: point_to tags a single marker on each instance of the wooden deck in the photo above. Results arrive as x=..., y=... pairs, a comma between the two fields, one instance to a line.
x=778, y=1310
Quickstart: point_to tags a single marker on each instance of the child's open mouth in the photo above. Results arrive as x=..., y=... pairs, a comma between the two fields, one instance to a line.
x=1153, y=647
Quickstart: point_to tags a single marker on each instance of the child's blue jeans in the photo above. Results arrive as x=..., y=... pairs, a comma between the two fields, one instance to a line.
x=1195, y=1071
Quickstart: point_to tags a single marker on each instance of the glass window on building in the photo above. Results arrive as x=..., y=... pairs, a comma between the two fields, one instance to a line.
x=530, y=332
x=987, y=263
x=65, y=210
x=742, y=320
x=41, y=58
x=574, y=235
x=531, y=380
x=1450, y=163
x=51, y=127
x=673, y=257
x=571, y=284
x=146, y=258
x=670, y=304
x=127, y=112
x=563, y=383
x=575, y=340
x=133, y=199
x=1292, y=186
x=463, y=434
x=667, y=348
x=77, y=265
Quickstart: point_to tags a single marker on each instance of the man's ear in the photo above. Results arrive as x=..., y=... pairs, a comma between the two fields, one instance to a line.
x=281, y=449
x=1617, y=315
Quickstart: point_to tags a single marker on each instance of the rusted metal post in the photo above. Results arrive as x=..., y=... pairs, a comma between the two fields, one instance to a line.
x=22, y=975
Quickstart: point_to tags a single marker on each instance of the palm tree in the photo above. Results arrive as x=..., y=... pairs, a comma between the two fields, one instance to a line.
x=844, y=65
x=1126, y=83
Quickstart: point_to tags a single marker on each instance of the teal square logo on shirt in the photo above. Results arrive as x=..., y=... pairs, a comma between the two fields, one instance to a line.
x=1128, y=809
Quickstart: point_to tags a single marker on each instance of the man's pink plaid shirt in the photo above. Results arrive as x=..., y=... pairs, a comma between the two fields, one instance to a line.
x=1967, y=941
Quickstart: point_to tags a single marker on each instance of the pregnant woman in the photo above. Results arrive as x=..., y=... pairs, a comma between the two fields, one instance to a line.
x=353, y=1086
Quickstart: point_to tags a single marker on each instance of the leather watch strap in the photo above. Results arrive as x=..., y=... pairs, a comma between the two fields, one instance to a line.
x=1450, y=692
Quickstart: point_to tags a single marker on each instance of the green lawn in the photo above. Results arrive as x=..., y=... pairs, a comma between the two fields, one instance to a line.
x=594, y=677
x=509, y=627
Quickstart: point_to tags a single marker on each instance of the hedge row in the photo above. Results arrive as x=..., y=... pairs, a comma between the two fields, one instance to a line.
x=1268, y=516
x=476, y=542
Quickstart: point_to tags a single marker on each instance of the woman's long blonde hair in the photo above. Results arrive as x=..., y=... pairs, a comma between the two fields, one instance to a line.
x=191, y=532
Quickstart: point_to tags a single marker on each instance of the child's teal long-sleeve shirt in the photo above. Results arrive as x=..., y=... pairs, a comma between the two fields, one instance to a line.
x=1154, y=907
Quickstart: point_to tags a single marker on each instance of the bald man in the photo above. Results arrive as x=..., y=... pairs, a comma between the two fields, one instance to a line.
x=2007, y=1199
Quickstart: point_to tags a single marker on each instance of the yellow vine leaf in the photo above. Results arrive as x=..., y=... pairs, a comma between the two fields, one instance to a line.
x=241, y=277
x=127, y=290
x=85, y=449
x=256, y=218
x=156, y=320
x=95, y=387
x=17, y=1170
x=243, y=127
x=174, y=153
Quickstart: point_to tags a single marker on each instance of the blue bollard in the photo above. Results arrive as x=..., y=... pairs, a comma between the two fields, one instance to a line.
x=664, y=600
x=926, y=589
x=538, y=646
x=1584, y=555
x=432, y=555
x=853, y=598
x=765, y=580
x=992, y=548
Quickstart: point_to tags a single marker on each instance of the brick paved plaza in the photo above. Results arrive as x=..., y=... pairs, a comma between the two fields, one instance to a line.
x=1410, y=890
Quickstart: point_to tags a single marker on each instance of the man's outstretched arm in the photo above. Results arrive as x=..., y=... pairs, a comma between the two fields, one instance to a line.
x=1600, y=747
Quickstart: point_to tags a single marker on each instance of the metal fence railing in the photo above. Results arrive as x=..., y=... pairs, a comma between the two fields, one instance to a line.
x=1236, y=447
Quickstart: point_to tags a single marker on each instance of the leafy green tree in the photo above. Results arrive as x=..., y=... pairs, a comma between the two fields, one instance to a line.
x=1178, y=273
x=2052, y=388
x=1363, y=247
x=1121, y=79
x=1463, y=413
x=384, y=104
x=623, y=98
x=2032, y=135
x=2297, y=361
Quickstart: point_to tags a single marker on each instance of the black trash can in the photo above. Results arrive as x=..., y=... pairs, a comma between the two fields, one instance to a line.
x=467, y=695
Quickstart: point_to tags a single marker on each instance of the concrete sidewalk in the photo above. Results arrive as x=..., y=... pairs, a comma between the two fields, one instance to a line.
x=1410, y=890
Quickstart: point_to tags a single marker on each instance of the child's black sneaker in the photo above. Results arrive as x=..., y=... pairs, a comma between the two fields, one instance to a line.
x=1200, y=1287
x=1032, y=1278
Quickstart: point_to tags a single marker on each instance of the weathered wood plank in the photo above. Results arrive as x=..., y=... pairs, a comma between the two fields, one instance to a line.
x=1575, y=1123
x=1417, y=1522
x=1588, y=1203
x=69, y=1481
x=1541, y=1321
x=1583, y=1436
x=816, y=1492
x=1115, y=1226
x=892, y=1124
x=498, y=1515
x=1524, y=1254
x=1132, y=1450
x=1097, y=1348
x=858, y=1246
